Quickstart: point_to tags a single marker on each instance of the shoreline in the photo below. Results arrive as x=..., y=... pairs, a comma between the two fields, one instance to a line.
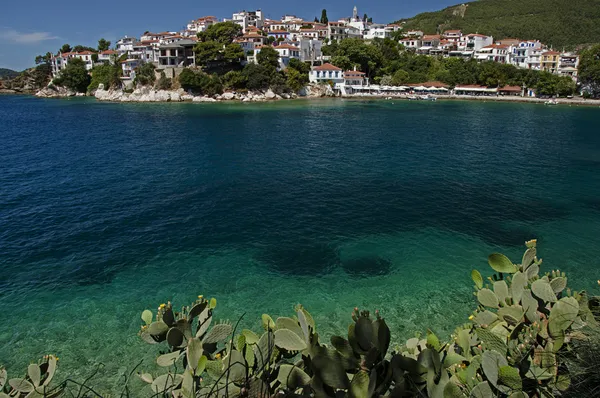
x=147, y=95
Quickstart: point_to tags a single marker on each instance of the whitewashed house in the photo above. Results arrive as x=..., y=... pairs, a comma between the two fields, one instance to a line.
x=248, y=18
x=286, y=53
x=377, y=31
x=326, y=73
x=108, y=56
x=60, y=61
x=494, y=52
x=125, y=45
x=411, y=43
x=201, y=24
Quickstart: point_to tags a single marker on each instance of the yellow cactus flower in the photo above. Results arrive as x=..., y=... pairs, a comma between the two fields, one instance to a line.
x=471, y=317
x=163, y=305
x=200, y=297
x=218, y=356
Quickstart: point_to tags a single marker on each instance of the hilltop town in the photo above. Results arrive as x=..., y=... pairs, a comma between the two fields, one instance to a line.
x=320, y=51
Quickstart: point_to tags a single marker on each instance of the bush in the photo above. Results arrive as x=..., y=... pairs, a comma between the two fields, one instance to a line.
x=145, y=75
x=164, y=83
x=200, y=82
x=235, y=80
x=257, y=76
x=107, y=74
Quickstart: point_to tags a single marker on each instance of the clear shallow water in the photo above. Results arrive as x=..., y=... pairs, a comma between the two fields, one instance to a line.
x=108, y=209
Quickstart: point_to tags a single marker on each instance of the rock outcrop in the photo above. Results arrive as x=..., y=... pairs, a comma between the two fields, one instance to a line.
x=52, y=91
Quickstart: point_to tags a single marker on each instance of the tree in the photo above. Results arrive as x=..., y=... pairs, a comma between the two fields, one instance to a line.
x=302, y=67
x=365, y=18
x=103, y=45
x=74, y=76
x=268, y=57
x=233, y=53
x=400, y=77
x=107, y=74
x=257, y=76
x=565, y=86
x=222, y=32
x=43, y=59
x=144, y=75
x=589, y=71
x=66, y=48
x=342, y=61
x=316, y=20
x=296, y=80
x=270, y=40
x=235, y=80
x=324, y=18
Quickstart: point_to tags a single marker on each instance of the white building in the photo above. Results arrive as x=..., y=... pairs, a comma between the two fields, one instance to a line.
x=61, y=61
x=379, y=31
x=452, y=35
x=411, y=43
x=201, y=24
x=125, y=45
x=568, y=64
x=494, y=52
x=310, y=50
x=248, y=18
x=521, y=52
x=326, y=73
x=108, y=56
x=286, y=53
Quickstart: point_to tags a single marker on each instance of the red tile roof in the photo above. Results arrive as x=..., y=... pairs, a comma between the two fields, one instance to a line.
x=551, y=53
x=109, y=52
x=327, y=67
x=511, y=88
x=431, y=37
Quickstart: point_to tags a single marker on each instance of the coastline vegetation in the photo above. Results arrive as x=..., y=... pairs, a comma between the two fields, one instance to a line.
x=529, y=336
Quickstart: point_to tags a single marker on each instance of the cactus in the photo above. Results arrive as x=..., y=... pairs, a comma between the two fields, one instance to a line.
x=217, y=334
x=510, y=377
x=558, y=284
x=542, y=290
x=477, y=279
x=562, y=315
x=501, y=291
x=517, y=286
x=491, y=362
x=288, y=340
x=501, y=263
x=491, y=341
x=528, y=258
x=487, y=298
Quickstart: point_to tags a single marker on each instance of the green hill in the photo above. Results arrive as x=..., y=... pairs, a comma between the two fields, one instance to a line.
x=8, y=73
x=557, y=23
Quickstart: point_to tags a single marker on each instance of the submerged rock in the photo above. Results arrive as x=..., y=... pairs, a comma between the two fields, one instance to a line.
x=365, y=266
x=302, y=259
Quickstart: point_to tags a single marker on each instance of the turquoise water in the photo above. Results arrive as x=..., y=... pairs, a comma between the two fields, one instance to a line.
x=108, y=209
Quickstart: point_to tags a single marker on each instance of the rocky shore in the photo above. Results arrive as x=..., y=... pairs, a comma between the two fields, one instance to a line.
x=149, y=94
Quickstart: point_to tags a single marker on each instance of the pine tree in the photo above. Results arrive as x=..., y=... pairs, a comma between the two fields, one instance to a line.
x=324, y=18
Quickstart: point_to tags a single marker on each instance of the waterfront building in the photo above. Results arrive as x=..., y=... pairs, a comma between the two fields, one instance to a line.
x=326, y=73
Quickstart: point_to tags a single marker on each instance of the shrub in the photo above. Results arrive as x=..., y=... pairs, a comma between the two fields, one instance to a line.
x=164, y=83
x=200, y=82
x=106, y=74
x=145, y=75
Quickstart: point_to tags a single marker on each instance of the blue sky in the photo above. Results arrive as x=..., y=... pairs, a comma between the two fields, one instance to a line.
x=32, y=27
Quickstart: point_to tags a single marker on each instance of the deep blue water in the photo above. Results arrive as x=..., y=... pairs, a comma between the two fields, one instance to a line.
x=107, y=209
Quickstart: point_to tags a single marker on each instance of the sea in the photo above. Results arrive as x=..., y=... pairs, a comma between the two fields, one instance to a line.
x=107, y=209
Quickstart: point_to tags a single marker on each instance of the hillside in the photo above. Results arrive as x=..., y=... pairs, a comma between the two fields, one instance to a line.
x=557, y=23
x=8, y=73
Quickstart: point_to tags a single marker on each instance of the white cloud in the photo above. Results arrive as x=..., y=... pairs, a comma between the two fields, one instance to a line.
x=26, y=38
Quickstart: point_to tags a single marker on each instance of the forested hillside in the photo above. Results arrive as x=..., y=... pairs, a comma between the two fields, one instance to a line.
x=557, y=23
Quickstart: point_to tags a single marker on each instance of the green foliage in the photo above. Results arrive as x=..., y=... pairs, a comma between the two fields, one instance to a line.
x=554, y=22
x=9, y=73
x=66, y=48
x=74, y=76
x=214, y=51
x=258, y=77
x=268, y=57
x=163, y=82
x=295, y=79
x=589, y=71
x=108, y=75
x=37, y=381
x=235, y=80
x=145, y=75
x=201, y=83
x=222, y=32
x=324, y=18
x=103, y=44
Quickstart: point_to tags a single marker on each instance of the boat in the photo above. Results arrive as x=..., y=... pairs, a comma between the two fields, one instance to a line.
x=551, y=102
x=427, y=98
x=412, y=97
